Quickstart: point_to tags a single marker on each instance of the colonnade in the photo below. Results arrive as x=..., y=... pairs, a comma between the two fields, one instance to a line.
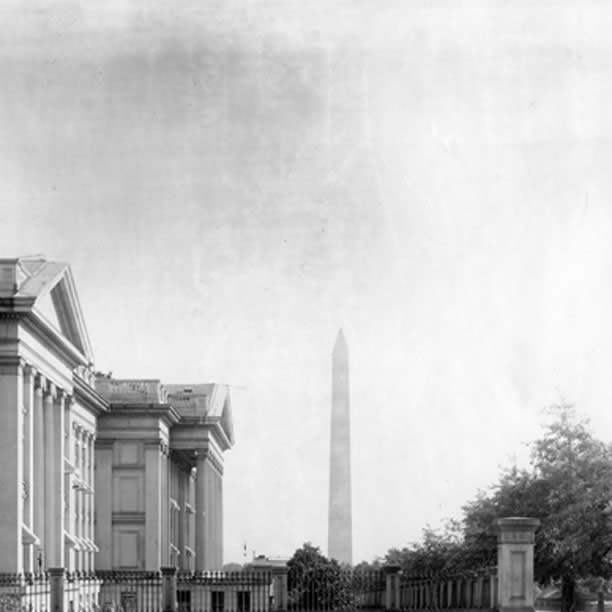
x=169, y=507
x=38, y=499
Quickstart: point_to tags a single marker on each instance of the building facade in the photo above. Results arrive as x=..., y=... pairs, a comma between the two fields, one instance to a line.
x=159, y=474
x=98, y=473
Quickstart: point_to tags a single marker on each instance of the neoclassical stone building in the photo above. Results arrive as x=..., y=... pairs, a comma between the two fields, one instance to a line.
x=159, y=471
x=98, y=472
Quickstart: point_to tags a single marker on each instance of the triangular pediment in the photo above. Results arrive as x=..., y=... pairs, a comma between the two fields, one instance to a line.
x=57, y=303
x=46, y=307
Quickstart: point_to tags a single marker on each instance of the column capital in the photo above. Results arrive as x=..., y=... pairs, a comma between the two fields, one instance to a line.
x=40, y=382
x=51, y=389
x=29, y=371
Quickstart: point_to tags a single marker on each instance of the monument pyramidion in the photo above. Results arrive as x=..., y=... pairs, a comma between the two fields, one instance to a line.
x=340, y=534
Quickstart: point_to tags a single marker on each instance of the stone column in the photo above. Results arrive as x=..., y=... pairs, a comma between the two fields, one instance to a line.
x=11, y=460
x=28, y=462
x=153, y=505
x=77, y=496
x=182, y=517
x=104, y=514
x=515, y=543
x=50, y=536
x=72, y=561
x=39, y=467
x=56, y=553
x=200, y=508
x=165, y=506
x=90, y=509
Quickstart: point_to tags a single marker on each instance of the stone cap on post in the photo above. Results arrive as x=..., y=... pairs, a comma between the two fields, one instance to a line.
x=516, y=530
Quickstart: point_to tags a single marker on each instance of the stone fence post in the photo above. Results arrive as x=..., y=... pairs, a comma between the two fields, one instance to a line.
x=515, y=543
x=280, y=588
x=168, y=598
x=56, y=589
x=392, y=586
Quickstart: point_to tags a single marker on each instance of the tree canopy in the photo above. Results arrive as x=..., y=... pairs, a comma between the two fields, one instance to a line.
x=568, y=486
x=315, y=582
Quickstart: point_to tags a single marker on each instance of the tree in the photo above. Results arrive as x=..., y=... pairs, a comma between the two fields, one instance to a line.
x=569, y=488
x=317, y=583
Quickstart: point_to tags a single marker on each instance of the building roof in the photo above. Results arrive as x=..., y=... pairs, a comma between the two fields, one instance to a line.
x=47, y=290
x=201, y=402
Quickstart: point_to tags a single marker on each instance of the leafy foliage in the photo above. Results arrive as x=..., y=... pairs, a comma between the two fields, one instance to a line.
x=568, y=487
x=317, y=583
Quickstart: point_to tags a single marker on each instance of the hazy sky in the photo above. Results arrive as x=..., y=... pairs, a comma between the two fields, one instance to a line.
x=233, y=181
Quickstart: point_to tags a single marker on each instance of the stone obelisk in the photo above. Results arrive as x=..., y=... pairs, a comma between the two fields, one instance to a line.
x=340, y=534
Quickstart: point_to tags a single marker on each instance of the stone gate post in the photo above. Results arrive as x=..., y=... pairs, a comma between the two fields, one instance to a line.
x=392, y=586
x=280, y=587
x=56, y=588
x=515, y=543
x=169, y=603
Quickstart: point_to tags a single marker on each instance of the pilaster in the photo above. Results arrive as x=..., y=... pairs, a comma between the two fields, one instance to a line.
x=153, y=504
x=11, y=460
x=104, y=513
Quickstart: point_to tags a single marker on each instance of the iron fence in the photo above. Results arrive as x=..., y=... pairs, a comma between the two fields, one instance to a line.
x=476, y=590
x=224, y=591
x=128, y=590
x=26, y=592
x=334, y=590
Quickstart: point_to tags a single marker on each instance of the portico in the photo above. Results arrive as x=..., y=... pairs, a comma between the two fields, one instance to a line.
x=46, y=377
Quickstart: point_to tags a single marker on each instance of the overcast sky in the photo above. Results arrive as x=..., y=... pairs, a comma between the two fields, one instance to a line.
x=231, y=182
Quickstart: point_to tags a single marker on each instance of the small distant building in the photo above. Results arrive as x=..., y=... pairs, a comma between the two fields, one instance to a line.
x=98, y=472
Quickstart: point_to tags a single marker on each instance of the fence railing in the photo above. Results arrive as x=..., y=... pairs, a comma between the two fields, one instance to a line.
x=507, y=588
x=225, y=591
x=322, y=590
x=127, y=591
x=29, y=592
x=475, y=590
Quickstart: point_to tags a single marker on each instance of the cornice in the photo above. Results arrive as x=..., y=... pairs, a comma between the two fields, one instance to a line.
x=206, y=455
x=166, y=411
x=212, y=424
x=89, y=397
x=16, y=306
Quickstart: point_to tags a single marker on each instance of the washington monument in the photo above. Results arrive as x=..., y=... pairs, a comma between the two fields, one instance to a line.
x=340, y=534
